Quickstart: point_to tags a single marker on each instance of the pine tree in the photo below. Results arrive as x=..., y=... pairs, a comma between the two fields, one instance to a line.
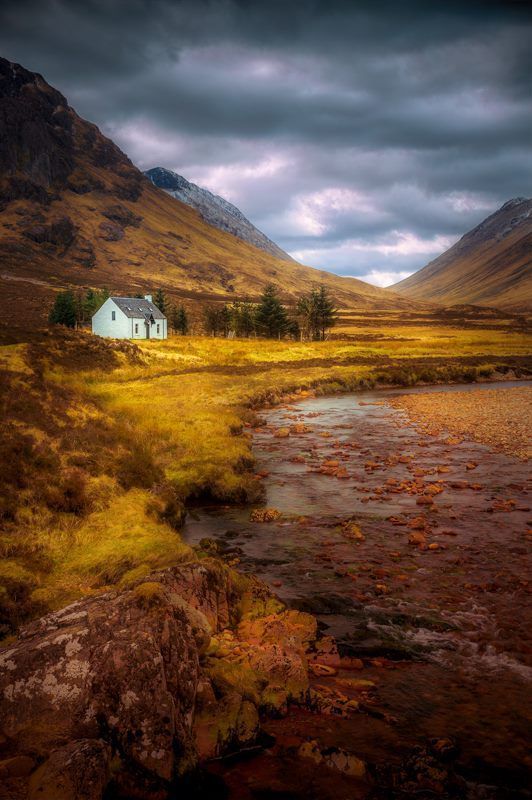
x=160, y=300
x=173, y=318
x=182, y=321
x=94, y=299
x=316, y=312
x=246, y=319
x=64, y=310
x=271, y=318
x=211, y=316
x=225, y=319
x=326, y=311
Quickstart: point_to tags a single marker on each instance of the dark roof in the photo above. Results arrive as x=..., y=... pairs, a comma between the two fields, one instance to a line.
x=137, y=307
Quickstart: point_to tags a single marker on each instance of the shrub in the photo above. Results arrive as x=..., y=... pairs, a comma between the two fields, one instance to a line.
x=137, y=468
x=70, y=495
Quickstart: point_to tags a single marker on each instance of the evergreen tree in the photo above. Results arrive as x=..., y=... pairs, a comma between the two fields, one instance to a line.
x=182, y=321
x=316, y=312
x=173, y=318
x=307, y=313
x=246, y=319
x=160, y=300
x=326, y=311
x=64, y=310
x=271, y=318
x=211, y=316
x=225, y=318
x=94, y=299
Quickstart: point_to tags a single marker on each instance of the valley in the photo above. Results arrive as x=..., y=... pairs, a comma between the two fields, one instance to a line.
x=281, y=560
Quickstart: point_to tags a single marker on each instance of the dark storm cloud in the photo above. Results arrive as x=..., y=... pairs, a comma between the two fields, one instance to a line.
x=362, y=137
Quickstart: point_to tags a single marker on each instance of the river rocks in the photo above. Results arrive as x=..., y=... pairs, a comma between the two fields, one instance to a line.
x=264, y=515
x=334, y=758
x=352, y=531
x=221, y=726
x=133, y=676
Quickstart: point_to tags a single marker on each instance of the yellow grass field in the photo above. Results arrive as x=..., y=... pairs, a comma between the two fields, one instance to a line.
x=109, y=441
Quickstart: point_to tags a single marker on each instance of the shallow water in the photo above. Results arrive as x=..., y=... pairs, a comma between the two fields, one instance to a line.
x=443, y=631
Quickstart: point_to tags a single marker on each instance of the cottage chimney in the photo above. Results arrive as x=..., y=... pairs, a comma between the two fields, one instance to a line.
x=149, y=298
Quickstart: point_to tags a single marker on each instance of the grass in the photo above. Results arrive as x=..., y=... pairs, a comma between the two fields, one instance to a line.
x=103, y=442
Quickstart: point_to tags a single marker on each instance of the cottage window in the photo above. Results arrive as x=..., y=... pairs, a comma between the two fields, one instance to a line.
x=113, y=315
x=158, y=327
x=136, y=327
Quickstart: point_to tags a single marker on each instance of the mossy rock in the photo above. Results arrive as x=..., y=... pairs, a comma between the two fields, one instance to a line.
x=150, y=595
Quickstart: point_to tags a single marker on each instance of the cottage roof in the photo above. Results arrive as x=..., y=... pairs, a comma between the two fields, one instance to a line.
x=137, y=307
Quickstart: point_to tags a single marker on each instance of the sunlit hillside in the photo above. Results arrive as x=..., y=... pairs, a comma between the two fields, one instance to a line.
x=91, y=219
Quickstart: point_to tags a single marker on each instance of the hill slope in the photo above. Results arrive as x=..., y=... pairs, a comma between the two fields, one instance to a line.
x=76, y=212
x=213, y=209
x=490, y=266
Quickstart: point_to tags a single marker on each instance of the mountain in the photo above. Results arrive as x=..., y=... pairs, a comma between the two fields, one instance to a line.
x=490, y=266
x=75, y=212
x=213, y=209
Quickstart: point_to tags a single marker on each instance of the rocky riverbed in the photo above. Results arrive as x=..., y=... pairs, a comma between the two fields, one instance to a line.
x=410, y=547
x=384, y=654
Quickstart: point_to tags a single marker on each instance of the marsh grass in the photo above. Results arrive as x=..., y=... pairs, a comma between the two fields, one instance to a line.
x=102, y=454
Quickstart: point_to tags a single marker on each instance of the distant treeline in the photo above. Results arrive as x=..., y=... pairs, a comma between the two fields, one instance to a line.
x=311, y=317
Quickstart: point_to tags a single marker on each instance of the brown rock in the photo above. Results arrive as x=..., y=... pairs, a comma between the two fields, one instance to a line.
x=264, y=515
x=424, y=500
x=78, y=771
x=110, y=231
x=124, y=664
x=16, y=767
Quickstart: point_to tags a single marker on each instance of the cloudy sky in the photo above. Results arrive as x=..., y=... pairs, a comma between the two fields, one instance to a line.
x=363, y=137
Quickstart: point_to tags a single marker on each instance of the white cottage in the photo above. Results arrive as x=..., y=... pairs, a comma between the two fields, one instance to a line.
x=130, y=318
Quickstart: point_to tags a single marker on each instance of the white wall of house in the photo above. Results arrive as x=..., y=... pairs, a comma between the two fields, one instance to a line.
x=111, y=322
x=157, y=331
x=103, y=323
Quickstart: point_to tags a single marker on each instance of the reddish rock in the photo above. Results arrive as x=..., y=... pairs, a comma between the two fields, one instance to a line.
x=130, y=673
x=78, y=771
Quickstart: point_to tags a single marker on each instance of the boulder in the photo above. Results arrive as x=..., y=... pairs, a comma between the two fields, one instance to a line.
x=79, y=770
x=155, y=678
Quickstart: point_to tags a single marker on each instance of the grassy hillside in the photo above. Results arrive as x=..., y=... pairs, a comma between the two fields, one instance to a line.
x=77, y=213
x=490, y=266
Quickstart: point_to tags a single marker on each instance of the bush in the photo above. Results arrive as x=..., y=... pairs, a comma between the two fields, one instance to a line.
x=137, y=468
x=70, y=495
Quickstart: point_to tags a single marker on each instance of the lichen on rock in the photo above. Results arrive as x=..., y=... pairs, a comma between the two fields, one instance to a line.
x=172, y=671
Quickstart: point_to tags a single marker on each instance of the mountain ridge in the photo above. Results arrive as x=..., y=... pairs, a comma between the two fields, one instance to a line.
x=77, y=213
x=490, y=265
x=214, y=209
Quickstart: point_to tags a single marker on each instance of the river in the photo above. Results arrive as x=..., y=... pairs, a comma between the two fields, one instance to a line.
x=430, y=599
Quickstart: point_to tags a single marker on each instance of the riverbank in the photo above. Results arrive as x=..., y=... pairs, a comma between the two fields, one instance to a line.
x=106, y=442
x=410, y=548
x=501, y=418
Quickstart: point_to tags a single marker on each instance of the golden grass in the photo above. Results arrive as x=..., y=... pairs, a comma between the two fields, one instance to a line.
x=126, y=433
x=193, y=393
